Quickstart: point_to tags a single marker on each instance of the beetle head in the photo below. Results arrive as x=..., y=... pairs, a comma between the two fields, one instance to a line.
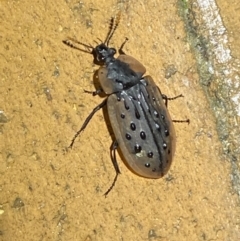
x=103, y=54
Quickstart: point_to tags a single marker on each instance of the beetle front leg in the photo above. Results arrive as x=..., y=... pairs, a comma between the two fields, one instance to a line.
x=120, y=51
x=94, y=93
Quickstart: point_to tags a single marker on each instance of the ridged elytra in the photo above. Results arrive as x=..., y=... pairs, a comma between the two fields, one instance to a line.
x=137, y=110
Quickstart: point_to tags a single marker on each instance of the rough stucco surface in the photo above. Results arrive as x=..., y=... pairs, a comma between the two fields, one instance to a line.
x=50, y=193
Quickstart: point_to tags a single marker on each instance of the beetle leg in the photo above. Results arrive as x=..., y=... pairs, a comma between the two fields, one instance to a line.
x=182, y=121
x=94, y=93
x=113, y=149
x=88, y=119
x=165, y=98
x=120, y=51
x=173, y=98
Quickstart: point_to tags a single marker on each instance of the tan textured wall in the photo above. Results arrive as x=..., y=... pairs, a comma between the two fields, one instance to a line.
x=49, y=193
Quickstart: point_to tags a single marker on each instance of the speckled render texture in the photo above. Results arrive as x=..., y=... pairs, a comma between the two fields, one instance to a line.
x=50, y=193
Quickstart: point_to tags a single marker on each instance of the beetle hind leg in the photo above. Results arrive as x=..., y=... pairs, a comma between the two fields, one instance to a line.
x=113, y=149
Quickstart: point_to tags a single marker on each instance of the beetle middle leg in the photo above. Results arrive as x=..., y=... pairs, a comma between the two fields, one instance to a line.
x=88, y=119
x=173, y=98
x=113, y=149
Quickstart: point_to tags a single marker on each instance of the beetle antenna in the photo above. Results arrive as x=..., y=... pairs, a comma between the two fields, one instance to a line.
x=69, y=42
x=111, y=25
x=114, y=22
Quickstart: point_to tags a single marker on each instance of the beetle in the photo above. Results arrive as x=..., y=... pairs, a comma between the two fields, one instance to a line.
x=137, y=110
